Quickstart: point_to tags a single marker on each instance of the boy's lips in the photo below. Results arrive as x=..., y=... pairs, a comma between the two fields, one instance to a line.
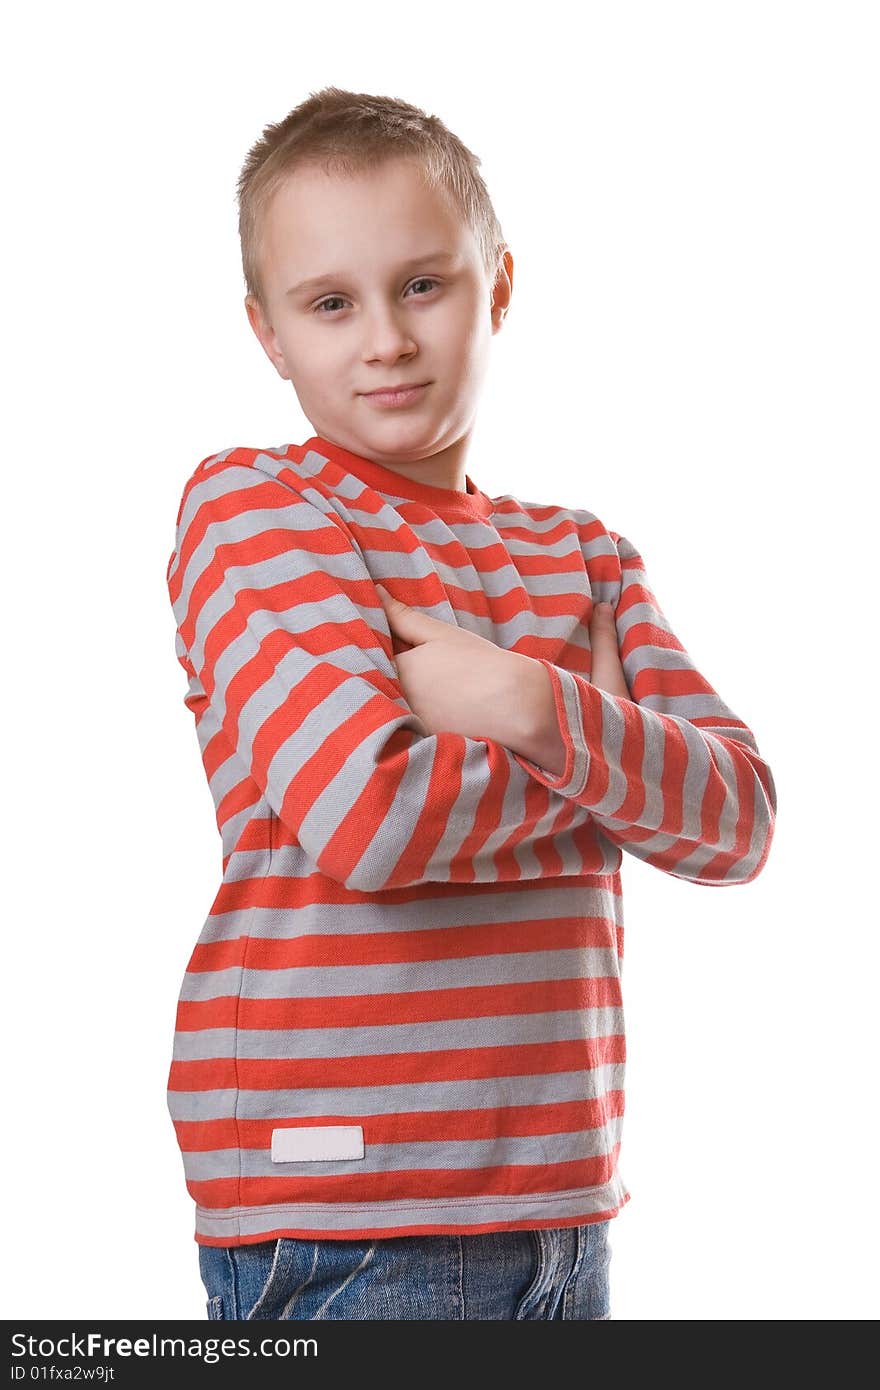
x=396, y=395
x=391, y=386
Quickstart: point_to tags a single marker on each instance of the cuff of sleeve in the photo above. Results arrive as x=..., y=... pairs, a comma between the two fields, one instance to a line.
x=566, y=695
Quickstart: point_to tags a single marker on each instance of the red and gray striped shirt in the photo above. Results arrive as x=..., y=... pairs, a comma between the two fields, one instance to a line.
x=403, y=1013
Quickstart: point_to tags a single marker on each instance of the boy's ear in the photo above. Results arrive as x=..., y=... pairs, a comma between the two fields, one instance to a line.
x=265, y=335
x=502, y=291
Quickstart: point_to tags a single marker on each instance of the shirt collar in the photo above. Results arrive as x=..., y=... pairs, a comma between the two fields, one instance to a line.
x=446, y=502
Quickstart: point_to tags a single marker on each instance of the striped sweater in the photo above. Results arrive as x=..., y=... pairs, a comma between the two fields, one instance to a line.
x=403, y=1012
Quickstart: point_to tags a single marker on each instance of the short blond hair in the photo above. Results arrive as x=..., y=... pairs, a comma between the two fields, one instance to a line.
x=349, y=132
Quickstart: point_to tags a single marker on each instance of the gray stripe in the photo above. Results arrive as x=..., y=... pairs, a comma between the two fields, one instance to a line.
x=524, y=1208
x=484, y=1093
x=581, y=762
x=538, y=1149
x=654, y=809
x=434, y=1036
x=738, y=872
x=314, y=982
x=612, y=728
x=730, y=810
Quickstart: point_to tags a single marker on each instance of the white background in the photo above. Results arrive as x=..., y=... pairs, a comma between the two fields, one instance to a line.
x=690, y=193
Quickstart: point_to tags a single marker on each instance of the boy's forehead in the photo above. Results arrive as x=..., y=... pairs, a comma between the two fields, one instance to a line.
x=397, y=179
x=317, y=222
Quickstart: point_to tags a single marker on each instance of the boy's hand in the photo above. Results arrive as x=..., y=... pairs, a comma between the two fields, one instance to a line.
x=454, y=680
x=458, y=682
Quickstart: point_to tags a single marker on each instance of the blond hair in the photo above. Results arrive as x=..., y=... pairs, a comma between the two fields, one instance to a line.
x=350, y=132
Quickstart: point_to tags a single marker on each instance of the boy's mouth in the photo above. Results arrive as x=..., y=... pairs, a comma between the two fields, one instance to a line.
x=396, y=395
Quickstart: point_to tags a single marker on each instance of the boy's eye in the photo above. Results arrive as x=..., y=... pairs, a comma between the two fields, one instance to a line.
x=334, y=299
x=337, y=298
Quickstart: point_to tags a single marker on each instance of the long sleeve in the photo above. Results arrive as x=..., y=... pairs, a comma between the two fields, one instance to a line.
x=670, y=775
x=282, y=633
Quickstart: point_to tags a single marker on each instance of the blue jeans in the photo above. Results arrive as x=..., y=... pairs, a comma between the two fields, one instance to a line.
x=550, y=1273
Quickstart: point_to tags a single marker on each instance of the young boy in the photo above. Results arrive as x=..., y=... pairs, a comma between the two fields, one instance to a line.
x=398, y=1069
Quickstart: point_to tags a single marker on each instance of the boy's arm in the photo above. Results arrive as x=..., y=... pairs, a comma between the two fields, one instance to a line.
x=671, y=775
x=284, y=632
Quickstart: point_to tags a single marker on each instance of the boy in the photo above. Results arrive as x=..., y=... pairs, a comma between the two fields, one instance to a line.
x=397, y=1079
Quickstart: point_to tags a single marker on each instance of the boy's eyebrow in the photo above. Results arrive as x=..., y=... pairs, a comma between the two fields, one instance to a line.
x=317, y=280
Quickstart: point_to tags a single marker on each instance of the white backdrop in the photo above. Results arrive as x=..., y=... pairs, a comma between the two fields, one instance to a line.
x=690, y=194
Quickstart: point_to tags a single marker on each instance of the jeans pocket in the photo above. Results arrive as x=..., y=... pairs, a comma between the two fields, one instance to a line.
x=271, y=1292
x=240, y=1279
x=533, y=1298
x=586, y=1294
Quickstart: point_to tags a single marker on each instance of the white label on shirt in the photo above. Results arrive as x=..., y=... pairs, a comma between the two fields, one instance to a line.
x=313, y=1142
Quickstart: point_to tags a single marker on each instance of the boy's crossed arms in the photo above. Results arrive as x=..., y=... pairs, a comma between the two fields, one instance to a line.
x=457, y=680
x=295, y=688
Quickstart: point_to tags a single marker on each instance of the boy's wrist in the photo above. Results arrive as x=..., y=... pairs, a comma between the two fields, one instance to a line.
x=527, y=722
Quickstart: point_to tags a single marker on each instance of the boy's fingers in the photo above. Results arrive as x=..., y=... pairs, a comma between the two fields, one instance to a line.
x=607, y=670
x=411, y=623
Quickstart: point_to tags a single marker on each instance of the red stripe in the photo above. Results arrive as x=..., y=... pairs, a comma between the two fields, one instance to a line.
x=238, y=799
x=676, y=761
x=439, y=943
x=418, y=1006
x=444, y=785
x=368, y=813
x=722, y=862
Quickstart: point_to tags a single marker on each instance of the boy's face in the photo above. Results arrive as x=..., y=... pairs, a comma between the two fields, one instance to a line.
x=390, y=312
